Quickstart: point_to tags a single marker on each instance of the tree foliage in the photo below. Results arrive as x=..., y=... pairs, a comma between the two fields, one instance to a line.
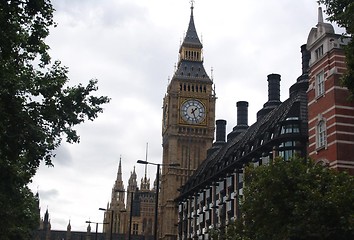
x=342, y=12
x=295, y=200
x=37, y=107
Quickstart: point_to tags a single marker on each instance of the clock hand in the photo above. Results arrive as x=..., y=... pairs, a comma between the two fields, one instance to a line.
x=194, y=116
x=193, y=112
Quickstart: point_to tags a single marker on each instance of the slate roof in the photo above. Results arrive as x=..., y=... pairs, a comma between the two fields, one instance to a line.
x=191, y=39
x=249, y=145
x=191, y=70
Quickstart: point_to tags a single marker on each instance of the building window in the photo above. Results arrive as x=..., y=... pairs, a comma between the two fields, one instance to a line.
x=321, y=134
x=319, y=52
x=286, y=154
x=135, y=228
x=320, y=88
x=290, y=128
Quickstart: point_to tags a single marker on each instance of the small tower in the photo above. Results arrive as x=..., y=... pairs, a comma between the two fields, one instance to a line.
x=118, y=191
x=89, y=235
x=117, y=205
x=68, y=231
x=132, y=187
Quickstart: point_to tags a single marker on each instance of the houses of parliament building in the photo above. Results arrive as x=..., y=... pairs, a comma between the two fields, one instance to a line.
x=203, y=192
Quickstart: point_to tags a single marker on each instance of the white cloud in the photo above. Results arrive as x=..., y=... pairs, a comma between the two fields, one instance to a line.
x=131, y=47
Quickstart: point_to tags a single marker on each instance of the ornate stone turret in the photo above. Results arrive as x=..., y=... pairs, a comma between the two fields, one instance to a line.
x=118, y=191
x=132, y=183
x=145, y=182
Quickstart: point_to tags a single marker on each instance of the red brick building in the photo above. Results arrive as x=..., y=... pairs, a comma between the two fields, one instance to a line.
x=331, y=114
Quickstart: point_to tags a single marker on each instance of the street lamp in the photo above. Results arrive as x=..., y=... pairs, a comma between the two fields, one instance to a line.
x=96, y=226
x=111, y=222
x=157, y=188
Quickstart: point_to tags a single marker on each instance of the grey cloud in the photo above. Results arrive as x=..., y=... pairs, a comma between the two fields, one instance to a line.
x=48, y=195
x=63, y=156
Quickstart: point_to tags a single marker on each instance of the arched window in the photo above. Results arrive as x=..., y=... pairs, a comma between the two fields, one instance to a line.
x=321, y=136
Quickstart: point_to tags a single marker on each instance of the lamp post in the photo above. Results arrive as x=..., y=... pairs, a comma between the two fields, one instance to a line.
x=96, y=226
x=111, y=222
x=157, y=188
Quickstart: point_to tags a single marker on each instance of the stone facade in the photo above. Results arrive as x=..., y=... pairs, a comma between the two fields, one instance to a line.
x=188, y=126
x=136, y=214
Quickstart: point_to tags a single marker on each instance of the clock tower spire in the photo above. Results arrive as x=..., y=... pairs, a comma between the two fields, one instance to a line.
x=187, y=126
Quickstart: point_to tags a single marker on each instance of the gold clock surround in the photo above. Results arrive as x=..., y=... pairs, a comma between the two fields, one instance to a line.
x=193, y=111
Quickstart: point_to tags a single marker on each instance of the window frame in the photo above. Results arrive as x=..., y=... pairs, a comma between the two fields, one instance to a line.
x=320, y=84
x=321, y=134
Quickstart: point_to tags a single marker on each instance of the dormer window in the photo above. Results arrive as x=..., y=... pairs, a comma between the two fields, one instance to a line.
x=319, y=52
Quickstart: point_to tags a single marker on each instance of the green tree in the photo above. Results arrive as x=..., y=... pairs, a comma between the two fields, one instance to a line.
x=295, y=200
x=342, y=12
x=37, y=109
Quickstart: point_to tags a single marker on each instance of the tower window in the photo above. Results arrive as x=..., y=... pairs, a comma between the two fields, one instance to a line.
x=320, y=88
x=319, y=52
x=321, y=134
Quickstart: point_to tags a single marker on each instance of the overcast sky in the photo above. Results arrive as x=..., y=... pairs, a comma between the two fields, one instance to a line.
x=131, y=47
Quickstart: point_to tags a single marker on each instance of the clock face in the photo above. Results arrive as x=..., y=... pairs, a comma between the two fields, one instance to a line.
x=193, y=111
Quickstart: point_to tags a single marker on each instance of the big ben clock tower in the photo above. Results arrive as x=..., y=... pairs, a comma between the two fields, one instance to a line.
x=187, y=126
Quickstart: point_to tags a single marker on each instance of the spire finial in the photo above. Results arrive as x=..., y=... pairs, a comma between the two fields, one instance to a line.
x=192, y=4
x=119, y=173
x=320, y=15
x=146, y=158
